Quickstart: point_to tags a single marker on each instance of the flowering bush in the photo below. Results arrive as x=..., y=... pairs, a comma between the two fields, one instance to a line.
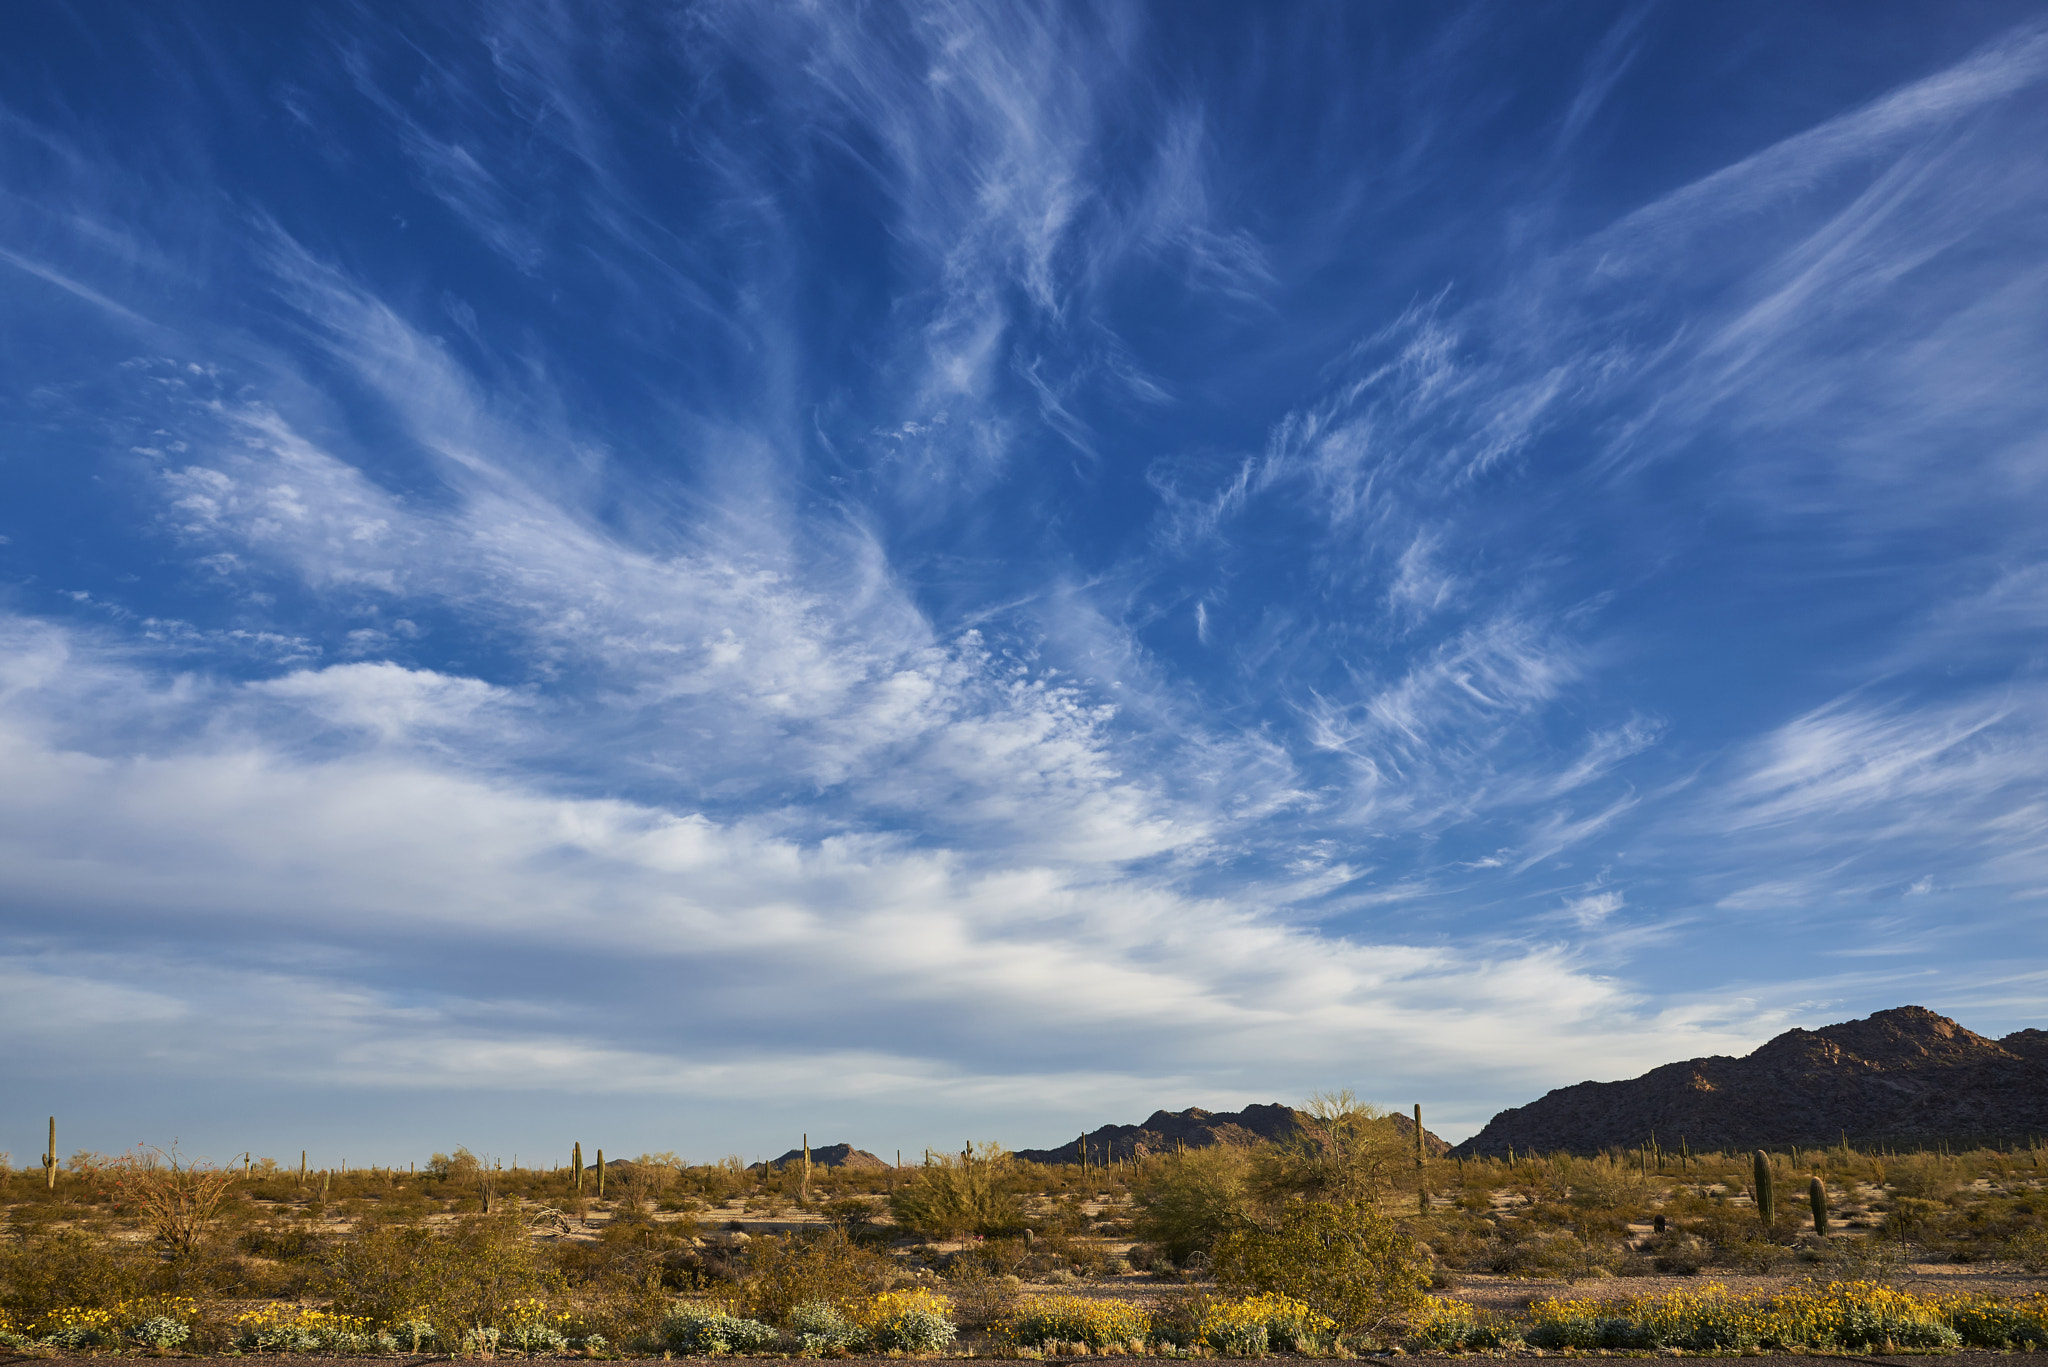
x=1453, y=1326
x=288, y=1328
x=77, y=1328
x=161, y=1331
x=1075, y=1319
x=914, y=1321
x=531, y=1328
x=707, y=1329
x=820, y=1329
x=1279, y=1321
x=1985, y=1323
x=1853, y=1315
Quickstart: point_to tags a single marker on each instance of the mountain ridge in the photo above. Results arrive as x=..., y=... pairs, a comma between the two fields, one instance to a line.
x=1195, y=1128
x=1906, y=1075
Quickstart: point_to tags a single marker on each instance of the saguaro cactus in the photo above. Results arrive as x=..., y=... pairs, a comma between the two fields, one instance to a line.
x=1817, y=1197
x=805, y=1194
x=1766, y=1206
x=600, y=1174
x=576, y=1164
x=1418, y=1136
x=50, y=1158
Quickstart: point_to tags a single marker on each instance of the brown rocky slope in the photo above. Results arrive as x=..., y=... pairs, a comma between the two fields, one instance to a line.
x=1903, y=1077
x=1195, y=1128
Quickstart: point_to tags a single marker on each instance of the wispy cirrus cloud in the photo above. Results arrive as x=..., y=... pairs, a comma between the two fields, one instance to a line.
x=964, y=533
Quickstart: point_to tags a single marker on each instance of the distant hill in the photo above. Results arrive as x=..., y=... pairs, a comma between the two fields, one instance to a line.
x=1195, y=1128
x=1905, y=1076
x=829, y=1156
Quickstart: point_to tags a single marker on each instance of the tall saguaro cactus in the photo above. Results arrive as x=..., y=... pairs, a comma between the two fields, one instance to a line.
x=576, y=1164
x=1817, y=1197
x=805, y=1194
x=1418, y=1136
x=1766, y=1205
x=50, y=1157
x=600, y=1174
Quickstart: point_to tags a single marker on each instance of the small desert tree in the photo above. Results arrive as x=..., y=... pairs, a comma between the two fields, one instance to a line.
x=953, y=1194
x=1345, y=1259
x=1187, y=1201
x=1337, y=1152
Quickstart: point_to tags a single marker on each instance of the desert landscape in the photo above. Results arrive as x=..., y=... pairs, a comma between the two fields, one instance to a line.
x=1333, y=1229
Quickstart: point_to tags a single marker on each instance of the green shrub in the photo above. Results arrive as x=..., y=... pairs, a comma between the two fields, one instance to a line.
x=1076, y=1319
x=48, y=1272
x=1453, y=1326
x=1991, y=1324
x=466, y=1279
x=783, y=1272
x=955, y=1194
x=161, y=1331
x=820, y=1329
x=1186, y=1202
x=1345, y=1261
x=699, y=1329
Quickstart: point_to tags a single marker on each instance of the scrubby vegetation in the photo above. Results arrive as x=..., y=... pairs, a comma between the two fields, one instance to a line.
x=1326, y=1245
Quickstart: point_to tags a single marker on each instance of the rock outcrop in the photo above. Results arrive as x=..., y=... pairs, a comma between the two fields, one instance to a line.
x=1195, y=1128
x=1901, y=1077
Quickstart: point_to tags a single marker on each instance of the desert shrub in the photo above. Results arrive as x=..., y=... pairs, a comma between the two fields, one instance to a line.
x=1597, y=1184
x=913, y=1321
x=1188, y=1201
x=284, y=1242
x=702, y=1329
x=1984, y=1323
x=818, y=1329
x=1840, y=1315
x=72, y=1269
x=997, y=1257
x=1337, y=1154
x=960, y=1193
x=469, y=1278
x=74, y=1328
x=633, y=1250
x=981, y=1297
x=783, y=1272
x=530, y=1327
x=1087, y=1257
x=2029, y=1249
x=290, y=1328
x=1910, y=1217
x=1076, y=1319
x=1454, y=1326
x=1249, y=1325
x=178, y=1200
x=1346, y=1261
x=1922, y=1176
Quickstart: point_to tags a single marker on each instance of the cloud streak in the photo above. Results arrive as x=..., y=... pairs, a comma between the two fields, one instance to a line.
x=1010, y=562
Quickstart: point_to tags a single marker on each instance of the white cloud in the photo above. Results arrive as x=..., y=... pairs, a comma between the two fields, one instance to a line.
x=387, y=858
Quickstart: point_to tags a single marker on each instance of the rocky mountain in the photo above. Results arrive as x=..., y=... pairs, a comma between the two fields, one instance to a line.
x=1195, y=1128
x=830, y=1156
x=1901, y=1077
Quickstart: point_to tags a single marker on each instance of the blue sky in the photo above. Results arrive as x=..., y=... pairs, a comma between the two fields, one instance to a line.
x=678, y=575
